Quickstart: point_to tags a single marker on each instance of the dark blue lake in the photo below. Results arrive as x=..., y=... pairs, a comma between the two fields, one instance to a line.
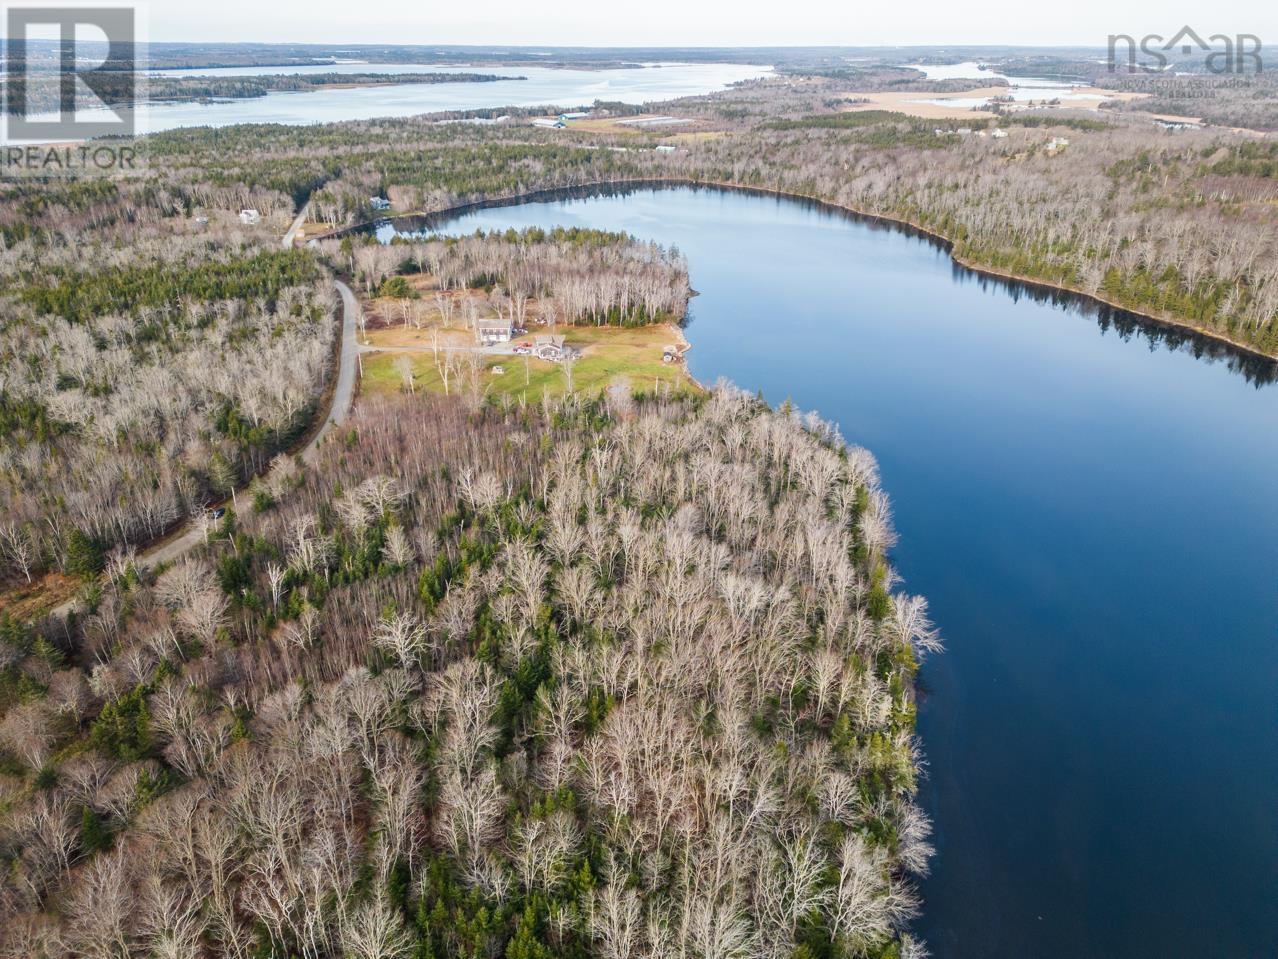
x=1093, y=515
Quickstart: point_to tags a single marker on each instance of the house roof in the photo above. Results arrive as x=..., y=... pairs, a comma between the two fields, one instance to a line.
x=494, y=324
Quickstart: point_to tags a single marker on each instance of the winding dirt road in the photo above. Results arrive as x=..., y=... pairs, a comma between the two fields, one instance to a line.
x=343, y=398
x=192, y=534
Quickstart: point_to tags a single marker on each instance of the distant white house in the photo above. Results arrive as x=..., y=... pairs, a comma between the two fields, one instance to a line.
x=573, y=116
x=998, y=134
x=664, y=148
x=549, y=123
x=250, y=217
x=1057, y=143
x=964, y=131
x=379, y=203
x=489, y=332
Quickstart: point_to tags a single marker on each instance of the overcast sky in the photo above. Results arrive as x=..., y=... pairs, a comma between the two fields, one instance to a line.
x=702, y=22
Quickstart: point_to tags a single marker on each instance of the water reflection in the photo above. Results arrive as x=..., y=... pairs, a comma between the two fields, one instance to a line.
x=1088, y=506
x=1257, y=370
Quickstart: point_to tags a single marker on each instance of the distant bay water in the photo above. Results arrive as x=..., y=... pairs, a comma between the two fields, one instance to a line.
x=546, y=86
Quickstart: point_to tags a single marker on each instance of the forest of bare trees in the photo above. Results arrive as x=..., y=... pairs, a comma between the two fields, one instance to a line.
x=579, y=276
x=141, y=380
x=1138, y=216
x=621, y=678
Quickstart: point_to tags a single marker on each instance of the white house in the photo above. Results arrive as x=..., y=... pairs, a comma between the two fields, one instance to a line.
x=379, y=203
x=573, y=116
x=998, y=134
x=549, y=123
x=550, y=347
x=1057, y=143
x=664, y=148
x=250, y=217
x=489, y=332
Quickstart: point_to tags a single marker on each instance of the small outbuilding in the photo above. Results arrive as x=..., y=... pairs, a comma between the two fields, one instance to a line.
x=250, y=217
x=379, y=203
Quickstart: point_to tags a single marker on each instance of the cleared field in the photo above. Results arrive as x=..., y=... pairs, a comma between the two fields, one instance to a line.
x=398, y=337
x=958, y=106
x=659, y=124
x=609, y=355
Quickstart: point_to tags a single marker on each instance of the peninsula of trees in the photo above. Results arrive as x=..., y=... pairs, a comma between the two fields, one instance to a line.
x=583, y=276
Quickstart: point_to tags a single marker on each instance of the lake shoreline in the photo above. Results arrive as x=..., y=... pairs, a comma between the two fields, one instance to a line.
x=1165, y=321
x=1035, y=452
